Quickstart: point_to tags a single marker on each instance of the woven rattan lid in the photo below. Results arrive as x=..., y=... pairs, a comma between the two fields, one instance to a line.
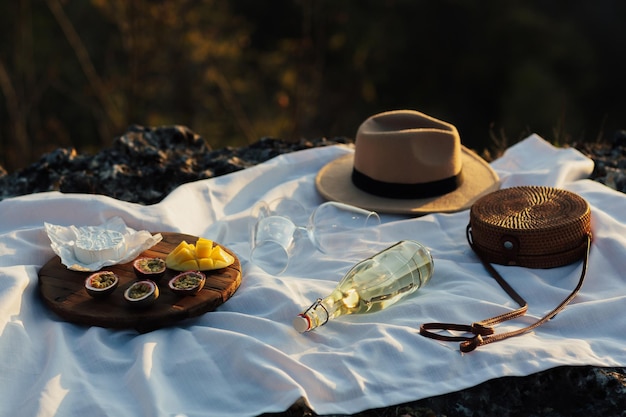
x=533, y=226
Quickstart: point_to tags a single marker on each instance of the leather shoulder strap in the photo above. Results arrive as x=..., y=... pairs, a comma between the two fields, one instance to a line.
x=482, y=332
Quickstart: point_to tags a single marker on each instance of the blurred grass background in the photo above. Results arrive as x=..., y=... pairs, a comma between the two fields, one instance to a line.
x=77, y=73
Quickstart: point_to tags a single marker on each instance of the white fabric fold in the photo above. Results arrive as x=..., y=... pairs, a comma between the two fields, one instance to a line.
x=245, y=359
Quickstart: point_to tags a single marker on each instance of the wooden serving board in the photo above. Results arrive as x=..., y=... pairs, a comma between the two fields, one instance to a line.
x=63, y=291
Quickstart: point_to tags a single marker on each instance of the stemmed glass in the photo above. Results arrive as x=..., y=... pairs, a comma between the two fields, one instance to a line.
x=279, y=227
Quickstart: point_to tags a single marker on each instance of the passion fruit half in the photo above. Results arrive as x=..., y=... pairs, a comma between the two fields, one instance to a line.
x=101, y=284
x=142, y=293
x=187, y=283
x=149, y=268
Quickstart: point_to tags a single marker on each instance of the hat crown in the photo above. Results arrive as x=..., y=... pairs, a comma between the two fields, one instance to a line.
x=403, y=121
x=407, y=147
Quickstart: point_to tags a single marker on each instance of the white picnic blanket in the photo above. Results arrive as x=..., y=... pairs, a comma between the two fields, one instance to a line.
x=245, y=359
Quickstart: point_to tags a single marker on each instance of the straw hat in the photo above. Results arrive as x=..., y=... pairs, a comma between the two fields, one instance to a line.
x=407, y=162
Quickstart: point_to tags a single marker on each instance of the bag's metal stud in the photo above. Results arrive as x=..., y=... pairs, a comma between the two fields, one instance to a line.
x=508, y=245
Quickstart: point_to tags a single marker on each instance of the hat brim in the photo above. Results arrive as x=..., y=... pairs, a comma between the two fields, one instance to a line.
x=334, y=182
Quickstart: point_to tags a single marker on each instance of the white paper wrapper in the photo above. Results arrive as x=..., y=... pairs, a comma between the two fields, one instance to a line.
x=63, y=240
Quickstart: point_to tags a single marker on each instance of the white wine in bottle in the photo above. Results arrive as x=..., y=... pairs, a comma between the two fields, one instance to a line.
x=372, y=285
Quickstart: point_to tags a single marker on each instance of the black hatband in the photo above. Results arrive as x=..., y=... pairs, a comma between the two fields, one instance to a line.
x=406, y=191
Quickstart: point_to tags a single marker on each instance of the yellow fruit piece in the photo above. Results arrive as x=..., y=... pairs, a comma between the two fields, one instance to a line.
x=201, y=256
x=206, y=263
x=184, y=251
x=185, y=255
x=189, y=265
x=204, y=247
x=221, y=257
x=221, y=264
x=178, y=248
x=202, y=240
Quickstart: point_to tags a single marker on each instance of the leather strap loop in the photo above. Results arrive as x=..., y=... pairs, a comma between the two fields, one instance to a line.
x=430, y=330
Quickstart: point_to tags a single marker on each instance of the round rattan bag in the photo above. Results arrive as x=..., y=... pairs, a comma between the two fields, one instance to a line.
x=531, y=226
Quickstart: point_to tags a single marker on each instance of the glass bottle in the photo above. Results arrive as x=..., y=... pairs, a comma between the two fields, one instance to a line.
x=372, y=285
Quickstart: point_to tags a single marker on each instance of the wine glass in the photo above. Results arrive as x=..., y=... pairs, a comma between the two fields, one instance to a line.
x=342, y=228
x=273, y=233
x=279, y=228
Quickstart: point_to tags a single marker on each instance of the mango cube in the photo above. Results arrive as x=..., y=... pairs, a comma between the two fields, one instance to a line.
x=206, y=263
x=189, y=265
x=204, y=247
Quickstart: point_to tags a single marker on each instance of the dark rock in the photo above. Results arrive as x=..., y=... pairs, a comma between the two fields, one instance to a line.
x=609, y=160
x=143, y=165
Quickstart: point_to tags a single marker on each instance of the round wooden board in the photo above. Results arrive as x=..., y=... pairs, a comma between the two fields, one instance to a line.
x=64, y=293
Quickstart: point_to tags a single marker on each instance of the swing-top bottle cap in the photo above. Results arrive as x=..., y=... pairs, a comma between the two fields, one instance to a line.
x=301, y=323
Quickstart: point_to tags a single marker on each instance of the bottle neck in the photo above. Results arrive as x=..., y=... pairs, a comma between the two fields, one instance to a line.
x=316, y=315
